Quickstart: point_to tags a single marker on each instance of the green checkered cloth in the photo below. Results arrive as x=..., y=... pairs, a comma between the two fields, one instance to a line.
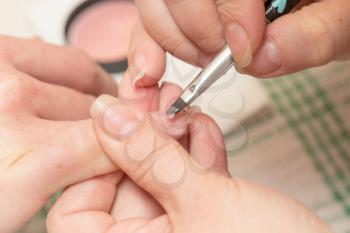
x=300, y=147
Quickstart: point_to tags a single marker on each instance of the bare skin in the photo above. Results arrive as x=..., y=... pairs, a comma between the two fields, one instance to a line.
x=194, y=30
x=190, y=183
x=46, y=133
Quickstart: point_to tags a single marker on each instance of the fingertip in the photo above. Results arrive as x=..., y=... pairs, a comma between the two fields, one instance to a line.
x=178, y=126
x=169, y=92
x=146, y=59
x=244, y=24
x=145, y=98
x=149, y=65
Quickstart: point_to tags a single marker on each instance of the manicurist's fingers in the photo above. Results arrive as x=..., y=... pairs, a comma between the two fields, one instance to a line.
x=146, y=58
x=244, y=26
x=53, y=64
x=312, y=36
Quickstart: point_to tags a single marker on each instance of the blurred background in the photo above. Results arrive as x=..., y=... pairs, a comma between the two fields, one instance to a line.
x=291, y=133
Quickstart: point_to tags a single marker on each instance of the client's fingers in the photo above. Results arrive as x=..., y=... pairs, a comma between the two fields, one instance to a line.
x=206, y=144
x=207, y=147
x=146, y=57
x=91, y=201
x=63, y=154
x=133, y=202
x=53, y=102
x=53, y=64
x=22, y=94
x=145, y=98
x=153, y=160
x=177, y=127
x=71, y=154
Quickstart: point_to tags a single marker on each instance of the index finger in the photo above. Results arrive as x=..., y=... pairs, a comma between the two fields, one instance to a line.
x=64, y=66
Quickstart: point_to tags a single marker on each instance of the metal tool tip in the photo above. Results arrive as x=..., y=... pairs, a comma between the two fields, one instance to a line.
x=175, y=108
x=172, y=112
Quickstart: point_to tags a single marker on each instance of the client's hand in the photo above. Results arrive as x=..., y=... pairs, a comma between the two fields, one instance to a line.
x=190, y=182
x=46, y=139
x=45, y=143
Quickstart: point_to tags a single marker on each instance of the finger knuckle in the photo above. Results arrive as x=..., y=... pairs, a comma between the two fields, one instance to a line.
x=15, y=90
x=171, y=42
x=64, y=154
x=229, y=10
x=145, y=167
x=325, y=48
x=213, y=40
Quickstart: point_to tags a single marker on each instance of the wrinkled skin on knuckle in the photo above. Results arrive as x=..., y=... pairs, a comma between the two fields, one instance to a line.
x=171, y=42
x=213, y=41
x=16, y=93
x=229, y=11
x=325, y=49
x=344, y=23
x=144, y=155
x=36, y=49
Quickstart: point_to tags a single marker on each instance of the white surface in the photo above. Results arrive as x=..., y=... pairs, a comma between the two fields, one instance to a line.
x=13, y=19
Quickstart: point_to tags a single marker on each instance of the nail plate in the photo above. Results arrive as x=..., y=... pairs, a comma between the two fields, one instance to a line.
x=239, y=43
x=268, y=59
x=116, y=118
x=139, y=67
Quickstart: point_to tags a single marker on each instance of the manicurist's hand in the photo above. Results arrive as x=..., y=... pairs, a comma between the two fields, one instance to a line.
x=189, y=181
x=46, y=141
x=194, y=30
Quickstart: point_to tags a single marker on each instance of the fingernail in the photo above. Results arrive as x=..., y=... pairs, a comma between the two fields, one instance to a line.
x=139, y=68
x=100, y=105
x=195, y=109
x=114, y=117
x=268, y=59
x=174, y=127
x=240, y=45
